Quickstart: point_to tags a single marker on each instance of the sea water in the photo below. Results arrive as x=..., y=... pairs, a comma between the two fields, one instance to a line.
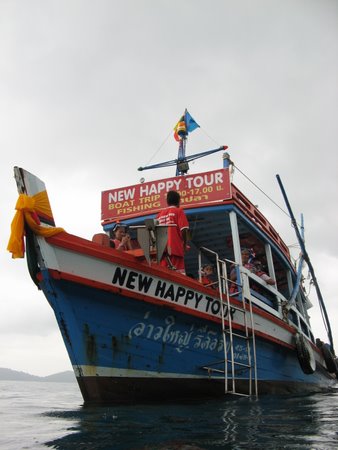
x=42, y=415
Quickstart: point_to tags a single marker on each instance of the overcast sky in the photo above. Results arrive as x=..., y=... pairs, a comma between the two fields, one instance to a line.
x=90, y=91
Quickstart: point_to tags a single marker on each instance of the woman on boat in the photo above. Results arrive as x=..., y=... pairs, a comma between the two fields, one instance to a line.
x=206, y=276
x=245, y=255
x=260, y=273
x=121, y=239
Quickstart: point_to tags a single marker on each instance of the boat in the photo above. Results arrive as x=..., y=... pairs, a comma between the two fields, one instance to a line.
x=136, y=331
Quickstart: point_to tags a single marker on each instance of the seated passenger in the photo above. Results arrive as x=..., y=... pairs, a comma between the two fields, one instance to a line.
x=206, y=276
x=245, y=254
x=247, y=262
x=257, y=270
x=121, y=239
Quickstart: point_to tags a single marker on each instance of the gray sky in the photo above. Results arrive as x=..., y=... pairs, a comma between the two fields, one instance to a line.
x=91, y=90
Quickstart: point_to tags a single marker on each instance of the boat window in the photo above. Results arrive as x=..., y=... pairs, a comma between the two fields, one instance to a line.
x=293, y=317
x=281, y=274
x=300, y=304
x=210, y=229
x=304, y=327
x=256, y=245
x=311, y=336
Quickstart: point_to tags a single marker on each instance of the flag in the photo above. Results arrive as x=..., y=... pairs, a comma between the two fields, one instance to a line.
x=185, y=125
x=190, y=123
x=180, y=129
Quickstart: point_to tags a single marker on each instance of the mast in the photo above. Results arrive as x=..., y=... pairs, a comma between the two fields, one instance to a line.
x=182, y=166
x=181, y=131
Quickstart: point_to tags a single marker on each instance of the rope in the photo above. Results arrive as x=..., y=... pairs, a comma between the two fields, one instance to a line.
x=212, y=139
x=166, y=139
x=261, y=190
x=159, y=148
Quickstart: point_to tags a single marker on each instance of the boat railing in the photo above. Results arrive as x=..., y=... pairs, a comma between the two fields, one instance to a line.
x=274, y=302
x=270, y=299
x=262, y=294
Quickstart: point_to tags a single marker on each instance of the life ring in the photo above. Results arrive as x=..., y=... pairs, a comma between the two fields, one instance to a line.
x=305, y=354
x=330, y=362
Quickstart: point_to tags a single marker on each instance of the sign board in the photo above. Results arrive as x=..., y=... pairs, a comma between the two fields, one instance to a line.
x=148, y=198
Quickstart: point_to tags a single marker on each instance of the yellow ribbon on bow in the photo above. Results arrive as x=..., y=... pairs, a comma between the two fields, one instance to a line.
x=25, y=206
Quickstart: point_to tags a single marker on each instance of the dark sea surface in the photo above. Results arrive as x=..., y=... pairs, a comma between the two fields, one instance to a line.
x=40, y=415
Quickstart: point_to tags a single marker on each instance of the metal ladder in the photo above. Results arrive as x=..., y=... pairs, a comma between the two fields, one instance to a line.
x=231, y=376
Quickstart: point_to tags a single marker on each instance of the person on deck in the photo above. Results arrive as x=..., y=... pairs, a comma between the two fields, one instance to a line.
x=245, y=255
x=206, y=276
x=257, y=270
x=121, y=239
x=173, y=256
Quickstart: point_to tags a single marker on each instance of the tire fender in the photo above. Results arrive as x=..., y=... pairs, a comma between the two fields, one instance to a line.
x=330, y=362
x=306, y=356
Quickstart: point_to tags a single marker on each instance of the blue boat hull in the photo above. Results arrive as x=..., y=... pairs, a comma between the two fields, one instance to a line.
x=125, y=350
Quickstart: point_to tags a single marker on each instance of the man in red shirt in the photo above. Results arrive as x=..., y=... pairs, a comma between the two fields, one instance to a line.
x=173, y=256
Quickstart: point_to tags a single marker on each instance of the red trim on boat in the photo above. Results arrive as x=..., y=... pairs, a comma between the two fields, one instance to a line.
x=57, y=275
x=83, y=246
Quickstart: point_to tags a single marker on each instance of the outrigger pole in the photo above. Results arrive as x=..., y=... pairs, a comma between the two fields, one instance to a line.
x=181, y=162
x=307, y=260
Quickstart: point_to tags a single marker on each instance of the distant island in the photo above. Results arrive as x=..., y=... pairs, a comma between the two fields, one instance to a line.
x=15, y=375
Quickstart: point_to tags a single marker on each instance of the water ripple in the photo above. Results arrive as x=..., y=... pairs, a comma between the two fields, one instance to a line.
x=37, y=417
